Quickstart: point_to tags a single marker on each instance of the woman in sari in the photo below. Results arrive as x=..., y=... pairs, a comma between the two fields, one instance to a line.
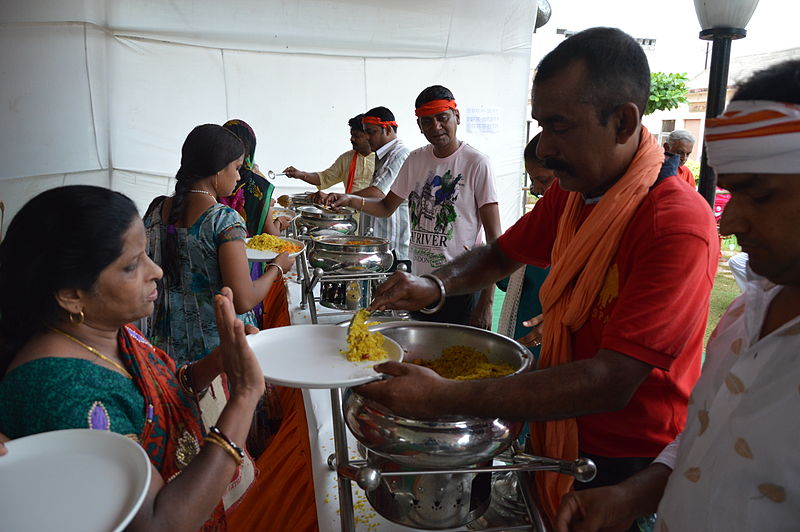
x=252, y=199
x=72, y=281
x=200, y=244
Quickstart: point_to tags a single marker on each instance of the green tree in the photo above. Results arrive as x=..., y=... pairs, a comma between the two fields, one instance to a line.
x=667, y=91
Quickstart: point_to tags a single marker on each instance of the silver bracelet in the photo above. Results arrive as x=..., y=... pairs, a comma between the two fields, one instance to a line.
x=279, y=268
x=442, y=295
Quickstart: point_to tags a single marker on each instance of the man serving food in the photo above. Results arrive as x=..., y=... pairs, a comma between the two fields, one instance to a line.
x=623, y=321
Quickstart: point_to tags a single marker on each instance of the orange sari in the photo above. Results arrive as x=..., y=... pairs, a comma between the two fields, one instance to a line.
x=282, y=496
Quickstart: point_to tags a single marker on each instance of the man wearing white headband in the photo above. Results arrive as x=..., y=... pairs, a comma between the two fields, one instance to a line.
x=735, y=465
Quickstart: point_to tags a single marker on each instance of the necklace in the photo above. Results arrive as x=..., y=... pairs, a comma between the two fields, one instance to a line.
x=94, y=351
x=206, y=192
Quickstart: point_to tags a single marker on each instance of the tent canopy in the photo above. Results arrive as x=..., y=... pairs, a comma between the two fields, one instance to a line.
x=105, y=91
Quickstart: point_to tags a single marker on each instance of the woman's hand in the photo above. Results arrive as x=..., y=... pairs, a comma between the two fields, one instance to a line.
x=3, y=439
x=284, y=261
x=283, y=222
x=533, y=338
x=238, y=360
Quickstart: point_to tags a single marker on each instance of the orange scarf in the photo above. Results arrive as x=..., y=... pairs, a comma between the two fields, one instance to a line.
x=580, y=260
x=351, y=173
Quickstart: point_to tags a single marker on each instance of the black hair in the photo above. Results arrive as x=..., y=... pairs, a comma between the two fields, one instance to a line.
x=777, y=83
x=434, y=92
x=382, y=113
x=207, y=149
x=242, y=129
x=355, y=123
x=617, y=71
x=530, y=150
x=62, y=238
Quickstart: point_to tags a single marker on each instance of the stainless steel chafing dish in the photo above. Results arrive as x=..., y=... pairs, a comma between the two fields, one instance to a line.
x=396, y=443
x=436, y=474
x=345, y=254
x=314, y=220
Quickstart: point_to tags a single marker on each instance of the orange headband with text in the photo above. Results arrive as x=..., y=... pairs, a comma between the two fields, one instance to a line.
x=434, y=107
x=377, y=121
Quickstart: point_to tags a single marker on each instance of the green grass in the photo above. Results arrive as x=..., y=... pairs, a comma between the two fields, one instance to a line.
x=724, y=291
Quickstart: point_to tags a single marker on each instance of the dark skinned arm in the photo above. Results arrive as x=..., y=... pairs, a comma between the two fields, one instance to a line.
x=474, y=270
x=187, y=501
x=382, y=207
x=603, y=383
x=613, y=507
x=370, y=192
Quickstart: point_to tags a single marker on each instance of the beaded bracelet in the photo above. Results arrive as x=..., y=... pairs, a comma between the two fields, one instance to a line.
x=214, y=431
x=216, y=440
x=442, y=295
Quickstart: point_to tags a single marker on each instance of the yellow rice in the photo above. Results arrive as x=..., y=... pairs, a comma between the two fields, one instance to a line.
x=462, y=363
x=361, y=343
x=265, y=242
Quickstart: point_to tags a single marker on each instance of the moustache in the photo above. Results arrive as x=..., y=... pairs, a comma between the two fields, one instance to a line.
x=556, y=164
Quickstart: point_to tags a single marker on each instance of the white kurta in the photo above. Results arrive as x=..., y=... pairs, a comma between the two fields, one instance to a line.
x=738, y=463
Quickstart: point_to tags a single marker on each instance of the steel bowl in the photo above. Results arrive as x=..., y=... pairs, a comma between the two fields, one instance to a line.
x=350, y=254
x=314, y=219
x=449, y=441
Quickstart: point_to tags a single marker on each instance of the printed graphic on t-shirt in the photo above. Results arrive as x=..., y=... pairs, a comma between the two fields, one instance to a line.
x=433, y=213
x=608, y=295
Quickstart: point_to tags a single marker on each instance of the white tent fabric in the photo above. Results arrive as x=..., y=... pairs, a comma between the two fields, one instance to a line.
x=105, y=91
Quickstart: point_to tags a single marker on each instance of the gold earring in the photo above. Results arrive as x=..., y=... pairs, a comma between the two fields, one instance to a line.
x=78, y=320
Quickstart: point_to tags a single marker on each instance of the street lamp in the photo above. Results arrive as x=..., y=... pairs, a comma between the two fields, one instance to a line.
x=722, y=21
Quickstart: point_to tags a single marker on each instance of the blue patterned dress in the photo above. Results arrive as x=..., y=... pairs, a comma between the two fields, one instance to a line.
x=183, y=321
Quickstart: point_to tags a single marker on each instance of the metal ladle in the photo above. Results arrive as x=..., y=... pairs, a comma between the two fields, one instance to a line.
x=273, y=175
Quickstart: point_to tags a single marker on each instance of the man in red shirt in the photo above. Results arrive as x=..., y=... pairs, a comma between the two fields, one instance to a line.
x=681, y=143
x=626, y=302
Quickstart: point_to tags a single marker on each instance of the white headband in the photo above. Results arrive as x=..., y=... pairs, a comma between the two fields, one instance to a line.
x=755, y=136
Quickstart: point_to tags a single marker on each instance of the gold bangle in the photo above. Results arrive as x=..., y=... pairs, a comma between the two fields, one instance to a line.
x=214, y=430
x=270, y=264
x=363, y=202
x=183, y=380
x=219, y=442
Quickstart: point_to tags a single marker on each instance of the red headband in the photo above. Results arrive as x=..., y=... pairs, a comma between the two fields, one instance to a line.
x=435, y=107
x=377, y=121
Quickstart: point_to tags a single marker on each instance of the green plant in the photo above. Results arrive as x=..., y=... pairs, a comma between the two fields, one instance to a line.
x=667, y=91
x=694, y=166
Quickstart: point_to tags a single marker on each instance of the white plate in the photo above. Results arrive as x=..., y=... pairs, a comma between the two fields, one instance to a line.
x=308, y=356
x=257, y=255
x=72, y=480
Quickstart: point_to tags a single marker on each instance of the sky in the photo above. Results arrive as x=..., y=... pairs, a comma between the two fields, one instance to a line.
x=674, y=25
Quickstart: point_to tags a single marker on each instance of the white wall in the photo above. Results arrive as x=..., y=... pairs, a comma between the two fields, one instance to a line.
x=105, y=91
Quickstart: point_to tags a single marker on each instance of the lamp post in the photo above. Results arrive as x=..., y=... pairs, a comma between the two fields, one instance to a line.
x=721, y=21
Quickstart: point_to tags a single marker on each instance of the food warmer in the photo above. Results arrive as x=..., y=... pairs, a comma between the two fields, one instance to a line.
x=440, y=474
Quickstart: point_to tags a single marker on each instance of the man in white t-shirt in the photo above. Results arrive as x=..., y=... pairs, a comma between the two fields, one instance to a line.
x=449, y=186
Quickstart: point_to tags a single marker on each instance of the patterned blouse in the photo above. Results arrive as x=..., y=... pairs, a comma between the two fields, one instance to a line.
x=183, y=321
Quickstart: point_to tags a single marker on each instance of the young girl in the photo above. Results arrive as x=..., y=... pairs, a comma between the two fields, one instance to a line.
x=200, y=245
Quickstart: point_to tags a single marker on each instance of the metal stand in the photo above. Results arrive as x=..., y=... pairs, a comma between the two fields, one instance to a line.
x=717, y=89
x=368, y=478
